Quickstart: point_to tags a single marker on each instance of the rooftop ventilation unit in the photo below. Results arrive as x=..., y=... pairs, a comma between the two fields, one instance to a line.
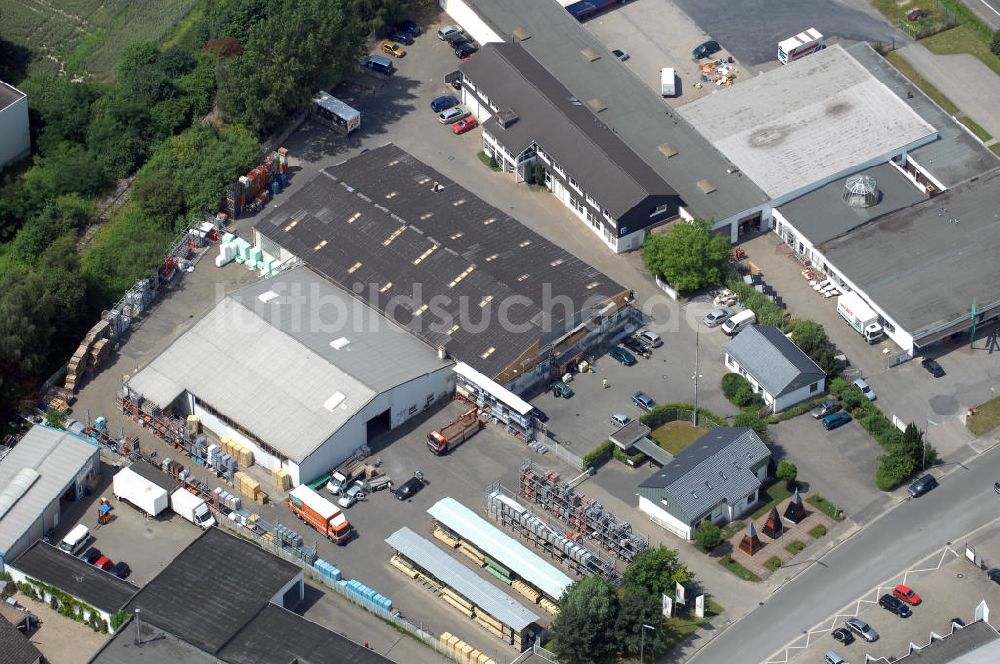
x=590, y=54
x=667, y=150
x=861, y=191
x=596, y=105
x=706, y=186
x=506, y=117
x=521, y=33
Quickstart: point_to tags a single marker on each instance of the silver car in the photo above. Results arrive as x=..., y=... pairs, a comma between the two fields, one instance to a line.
x=453, y=114
x=651, y=338
x=718, y=316
x=863, y=629
x=866, y=389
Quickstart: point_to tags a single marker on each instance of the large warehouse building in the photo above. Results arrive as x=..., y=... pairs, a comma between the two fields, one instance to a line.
x=298, y=370
x=46, y=469
x=457, y=272
x=15, y=139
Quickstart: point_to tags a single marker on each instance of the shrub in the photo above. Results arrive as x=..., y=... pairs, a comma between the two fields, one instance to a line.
x=995, y=44
x=634, y=460
x=118, y=619
x=751, y=418
x=493, y=163
x=708, y=536
x=818, y=531
x=731, y=383
x=837, y=385
x=787, y=471
x=893, y=469
x=54, y=602
x=852, y=398
x=598, y=456
x=773, y=563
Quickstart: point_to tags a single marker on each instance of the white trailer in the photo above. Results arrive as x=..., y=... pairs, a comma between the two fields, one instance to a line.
x=141, y=492
x=668, y=82
x=192, y=508
x=860, y=316
x=800, y=45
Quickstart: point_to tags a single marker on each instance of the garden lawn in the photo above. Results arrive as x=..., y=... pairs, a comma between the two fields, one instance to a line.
x=683, y=626
x=986, y=420
x=824, y=506
x=675, y=436
x=738, y=569
x=962, y=39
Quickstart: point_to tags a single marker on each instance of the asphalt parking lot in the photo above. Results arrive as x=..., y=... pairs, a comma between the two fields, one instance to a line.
x=657, y=34
x=949, y=586
x=839, y=464
x=751, y=29
x=147, y=545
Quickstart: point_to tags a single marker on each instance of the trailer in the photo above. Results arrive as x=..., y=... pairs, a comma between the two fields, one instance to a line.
x=146, y=491
x=192, y=507
x=800, y=45
x=332, y=111
x=454, y=433
x=584, y=9
x=860, y=316
x=320, y=513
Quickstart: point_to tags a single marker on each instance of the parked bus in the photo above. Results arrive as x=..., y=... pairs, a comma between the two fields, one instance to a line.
x=336, y=113
x=800, y=45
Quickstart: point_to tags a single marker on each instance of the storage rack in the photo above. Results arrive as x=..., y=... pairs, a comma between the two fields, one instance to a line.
x=503, y=507
x=584, y=515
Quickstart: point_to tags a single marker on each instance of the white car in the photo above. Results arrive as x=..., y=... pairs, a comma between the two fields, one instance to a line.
x=866, y=389
x=651, y=338
x=453, y=114
x=717, y=317
x=447, y=30
x=351, y=496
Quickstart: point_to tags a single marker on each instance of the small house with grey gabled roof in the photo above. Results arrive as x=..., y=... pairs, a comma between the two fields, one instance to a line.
x=777, y=369
x=717, y=477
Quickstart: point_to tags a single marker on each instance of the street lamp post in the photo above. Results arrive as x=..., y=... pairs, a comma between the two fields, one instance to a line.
x=694, y=415
x=642, y=640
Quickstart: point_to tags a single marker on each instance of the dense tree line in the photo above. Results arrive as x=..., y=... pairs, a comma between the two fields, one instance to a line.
x=255, y=60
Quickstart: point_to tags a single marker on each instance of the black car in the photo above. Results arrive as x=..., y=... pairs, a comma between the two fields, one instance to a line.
x=933, y=368
x=121, y=570
x=706, y=49
x=465, y=49
x=408, y=489
x=958, y=621
x=843, y=635
x=91, y=555
x=409, y=27
x=994, y=575
x=826, y=408
x=922, y=486
x=637, y=346
x=401, y=37
x=895, y=605
x=539, y=415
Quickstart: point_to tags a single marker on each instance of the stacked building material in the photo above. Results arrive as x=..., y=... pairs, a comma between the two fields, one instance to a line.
x=92, y=352
x=247, y=485
x=461, y=651
x=282, y=479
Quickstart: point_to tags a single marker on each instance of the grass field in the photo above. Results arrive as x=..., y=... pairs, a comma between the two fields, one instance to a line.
x=962, y=39
x=87, y=35
x=677, y=435
x=986, y=419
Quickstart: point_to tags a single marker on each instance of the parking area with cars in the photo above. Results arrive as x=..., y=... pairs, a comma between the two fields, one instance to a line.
x=945, y=587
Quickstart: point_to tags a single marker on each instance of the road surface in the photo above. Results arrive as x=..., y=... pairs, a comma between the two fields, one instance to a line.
x=964, y=501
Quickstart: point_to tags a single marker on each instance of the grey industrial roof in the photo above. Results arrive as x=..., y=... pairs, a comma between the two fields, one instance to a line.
x=501, y=547
x=374, y=222
x=773, y=360
x=278, y=636
x=8, y=95
x=976, y=643
x=461, y=579
x=809, y=121
x=956, y=155
x=648, y=447
x=156, y=647
x=74, y=576
x=713, y=469
x=15, y=647
x=212, y=589
x=822, y=214
x=563, y=126
x=634, y=112
x=275, y=355
x=924, y=265
x=630, y=433
x=58, y=456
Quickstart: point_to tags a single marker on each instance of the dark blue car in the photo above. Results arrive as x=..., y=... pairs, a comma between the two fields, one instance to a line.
x=409, y=27
x=443, y=103
x=835, y=420
x=401, y=37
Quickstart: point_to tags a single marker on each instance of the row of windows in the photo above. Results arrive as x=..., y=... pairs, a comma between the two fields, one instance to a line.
x=234, y=425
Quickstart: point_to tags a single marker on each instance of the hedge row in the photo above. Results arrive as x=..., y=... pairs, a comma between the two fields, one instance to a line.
x=66, y=605
x=767, y=312
x=797, y=409
x=669, y=412
x=634, y=460
x=598, y=456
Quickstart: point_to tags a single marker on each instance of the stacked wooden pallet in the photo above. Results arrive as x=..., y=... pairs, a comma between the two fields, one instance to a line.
x=462, y=651
x=247, y=485
x=398, y=563
x=549, y=606
x=445, y=537
x=472, y=553
x=526, y=590
x=92, y=352
x=451, y=597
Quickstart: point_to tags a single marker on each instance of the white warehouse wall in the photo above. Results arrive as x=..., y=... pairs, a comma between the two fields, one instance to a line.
x=15, y=141
x=466, y=17
x=664, y=519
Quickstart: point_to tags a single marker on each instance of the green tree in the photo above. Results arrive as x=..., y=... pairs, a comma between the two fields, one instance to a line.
x=731, y=384
x=584, y=630
x=640, y=607
x=893, y=469
x=25, y=330
x=122, y=131
x=118, y=619
x=657, y=570
x=811, y=338
x=995, y=44
x=788, y=472
x=140, y=77
x=751, y=418
x=691, y=256
x=60, y=108
x=708, y=536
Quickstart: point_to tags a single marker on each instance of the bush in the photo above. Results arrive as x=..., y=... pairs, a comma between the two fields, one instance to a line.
x=796, y=410
x=708, y=536
x=893, y=469
x=118, y=619
x=598, y=456
x=493, y=163
x=851, y=398
x=836, y=386
x=787, y=471
x=995, y=44
x=634, y=460
x=731, y=383
x=767, y=312
x=751, y=418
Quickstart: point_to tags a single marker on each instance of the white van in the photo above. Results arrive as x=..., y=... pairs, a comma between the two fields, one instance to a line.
x=667, y=82
x=75, y=540
x=734, y=325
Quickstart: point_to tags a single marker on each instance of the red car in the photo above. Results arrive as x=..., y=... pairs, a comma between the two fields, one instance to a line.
x=917, y=14
x=907, y=595
x=103, y=562
x=464, y=125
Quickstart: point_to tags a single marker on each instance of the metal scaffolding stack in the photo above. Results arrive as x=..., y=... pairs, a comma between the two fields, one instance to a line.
x=585, y=515
x=503, y=506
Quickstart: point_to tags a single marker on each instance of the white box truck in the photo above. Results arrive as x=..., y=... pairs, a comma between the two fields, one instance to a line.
x=192, y=507
x=735, y=324
x=141, y=492
x=800, y=45
x=860, y=316
x=668, y=80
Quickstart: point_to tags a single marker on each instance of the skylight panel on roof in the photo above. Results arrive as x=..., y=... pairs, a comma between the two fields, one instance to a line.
x=590, y=54
x=335, y=400
x=385, y=288
x=460, y=277
x=419, y=259
x=489, y=351
x=353, y=217
x=458, y=202
x=489, y=221
x=452, y=330
x=354, y=268
x=667, y=150
x=396, y=233
x=339, y=343
x=267, y=296
x=319, y=246
x=706, y=186
x=596, y=105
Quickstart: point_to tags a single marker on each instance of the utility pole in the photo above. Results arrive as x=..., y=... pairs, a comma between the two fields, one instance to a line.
x=694, y=416
x=972, y=337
